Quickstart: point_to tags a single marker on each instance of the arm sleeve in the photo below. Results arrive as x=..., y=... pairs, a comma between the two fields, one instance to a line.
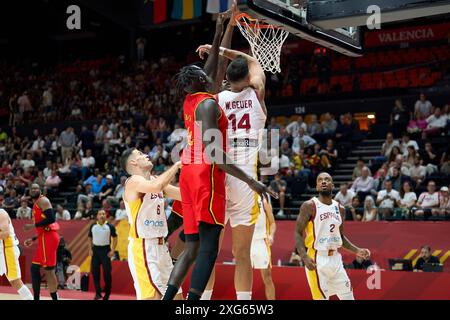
x=49, y=218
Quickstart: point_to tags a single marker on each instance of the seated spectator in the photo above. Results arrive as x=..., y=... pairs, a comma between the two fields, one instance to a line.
x=435, y=124
x=158, y=151
x=85, y=194
x=407, y=200
x=118, y=191
x=23, y=212
x=417, y=172
x=396, y=178
x=388, y=144
x=445, y=163
x=273, y=124
x=307, y=140
x=37, y=147
x=279, y=185
x=363, y=185
x=40, y=180
x=285, y=149
x=11, y=201
x=293, y=128
x=444, y=204
x=106, y=206
x=399, y=118
x=427, y=201
x=425, y=257
x=62, y=214
x=378, y=182
x=331, y=153
x=422, y=107
x=90, y=213
x=360, y=263
x=393, y=155
x=314, y=126
x=398, y=164
x=430, y=159
x=106, y=190
x=358, y=169
x=370, y=210
x=63, y=260
x=344, y=196
x=356, y=211
x=409, y=159
x=417, y=125
x=80, y=213
x=121, y=213
x=52, y=183
x=407, y=142
x=87, y=163
x=98, y=184
x=387, y=199
x=28, y=162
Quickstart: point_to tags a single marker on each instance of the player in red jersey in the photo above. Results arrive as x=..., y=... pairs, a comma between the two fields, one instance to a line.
x=48, y=241
x=202, y=178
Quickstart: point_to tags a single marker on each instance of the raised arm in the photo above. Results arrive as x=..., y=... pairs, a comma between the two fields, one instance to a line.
x=346, y=244
x=142, y=185
x=306, y=212
x=211, y=63
x=207, y=113
x=226, y=43
x=172, y=192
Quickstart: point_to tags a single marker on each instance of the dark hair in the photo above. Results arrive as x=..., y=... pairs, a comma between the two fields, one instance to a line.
x=238, y=69
x=124, y=158
x=185, y=77
x=402, y=190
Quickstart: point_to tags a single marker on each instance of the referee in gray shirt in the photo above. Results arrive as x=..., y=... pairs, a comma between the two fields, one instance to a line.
x=100, y=250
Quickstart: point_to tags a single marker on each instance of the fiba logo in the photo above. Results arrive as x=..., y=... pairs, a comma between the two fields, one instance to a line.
x=153, y=223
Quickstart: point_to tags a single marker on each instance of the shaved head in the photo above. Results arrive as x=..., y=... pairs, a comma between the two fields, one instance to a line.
x=324, y=184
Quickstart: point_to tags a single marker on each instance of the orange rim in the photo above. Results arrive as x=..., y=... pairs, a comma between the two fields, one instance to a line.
x=253, y=22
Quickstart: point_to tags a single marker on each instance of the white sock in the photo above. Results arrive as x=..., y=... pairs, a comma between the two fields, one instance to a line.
x=25, y=293
x=206, y=295
x=244, y=295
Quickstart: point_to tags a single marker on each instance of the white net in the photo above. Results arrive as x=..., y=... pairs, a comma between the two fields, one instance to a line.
x=265, y=41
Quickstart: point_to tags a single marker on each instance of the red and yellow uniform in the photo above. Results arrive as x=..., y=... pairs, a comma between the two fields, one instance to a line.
x=202, y=184
x=48, y=240
x=177, y=208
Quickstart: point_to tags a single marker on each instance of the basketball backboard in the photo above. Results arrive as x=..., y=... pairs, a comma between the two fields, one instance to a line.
x=292, y=16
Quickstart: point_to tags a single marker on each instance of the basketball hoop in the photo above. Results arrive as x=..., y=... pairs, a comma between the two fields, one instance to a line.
x=265, y=41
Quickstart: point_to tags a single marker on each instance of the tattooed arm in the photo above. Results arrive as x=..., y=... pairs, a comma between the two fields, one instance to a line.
x=306, y=212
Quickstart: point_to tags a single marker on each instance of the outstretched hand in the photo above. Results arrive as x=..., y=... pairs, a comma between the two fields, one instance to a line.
x=201, y=50
x=262, y=189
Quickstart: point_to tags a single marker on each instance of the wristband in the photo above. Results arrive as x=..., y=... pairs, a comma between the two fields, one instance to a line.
x=221, y=51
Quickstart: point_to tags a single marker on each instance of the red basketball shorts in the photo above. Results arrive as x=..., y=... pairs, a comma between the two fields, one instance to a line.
x=202, y=188
x=45, y=254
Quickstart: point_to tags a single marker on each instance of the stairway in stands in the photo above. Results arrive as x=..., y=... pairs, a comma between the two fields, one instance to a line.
x=367, y=150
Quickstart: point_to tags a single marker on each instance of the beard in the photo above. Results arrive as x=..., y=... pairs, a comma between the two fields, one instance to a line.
x=325, y=193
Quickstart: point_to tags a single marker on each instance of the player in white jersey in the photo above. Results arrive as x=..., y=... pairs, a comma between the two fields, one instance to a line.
x=263, y=237
x=246, y=111
x=9, y=256
x=322, y=219
x=148, y=255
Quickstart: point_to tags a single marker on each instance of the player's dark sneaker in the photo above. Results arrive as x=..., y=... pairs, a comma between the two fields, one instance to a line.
x=98, y=296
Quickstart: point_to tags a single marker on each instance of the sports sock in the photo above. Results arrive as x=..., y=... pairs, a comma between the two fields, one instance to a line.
x=36, y=280
x=25, y=293
x=193, y=296
x=206, y=295
x=244, y=295
x=171, y=292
